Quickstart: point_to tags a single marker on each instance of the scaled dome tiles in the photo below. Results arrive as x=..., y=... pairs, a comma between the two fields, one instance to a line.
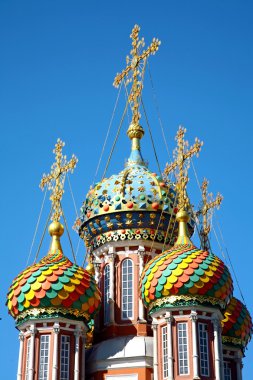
x=127, y=206
x=185, y=275
x=237, y=324
x=53, y=286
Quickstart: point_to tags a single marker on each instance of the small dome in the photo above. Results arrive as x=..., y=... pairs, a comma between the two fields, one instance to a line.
x=185, y=275
x=237, y=324
x=53, y=286
x=129, y=206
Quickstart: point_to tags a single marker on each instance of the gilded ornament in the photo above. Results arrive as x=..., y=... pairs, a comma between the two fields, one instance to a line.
x=55, y=180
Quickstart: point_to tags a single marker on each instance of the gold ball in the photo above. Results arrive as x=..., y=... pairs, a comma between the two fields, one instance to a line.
x=135, y=131
x=182, y=216
x=56, y=229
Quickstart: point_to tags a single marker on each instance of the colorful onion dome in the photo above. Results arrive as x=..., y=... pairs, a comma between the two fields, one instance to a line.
x=237, y=325
x=185, y=275
x=53, y=286
x=134, y=204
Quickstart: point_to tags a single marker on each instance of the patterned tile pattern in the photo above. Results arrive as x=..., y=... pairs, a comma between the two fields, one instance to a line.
x=54, y=283
x=185, y=272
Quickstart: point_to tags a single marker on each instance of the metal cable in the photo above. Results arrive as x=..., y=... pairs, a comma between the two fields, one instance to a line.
x=70, y=242
x=37, y=226
x=158, y=110
x=218, y=241
x=115, y=140
x=230, y=261
x=43, y=235
x=150, y=133
x=107, y=135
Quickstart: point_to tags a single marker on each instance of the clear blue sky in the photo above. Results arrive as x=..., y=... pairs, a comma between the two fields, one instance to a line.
x=58, y=62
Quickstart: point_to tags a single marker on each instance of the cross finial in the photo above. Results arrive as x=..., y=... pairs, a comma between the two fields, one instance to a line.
x=136, y=66
x=55, y=180
x=206, y=207
x=182, y=155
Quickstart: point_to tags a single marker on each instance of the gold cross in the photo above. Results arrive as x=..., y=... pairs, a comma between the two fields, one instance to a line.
x=205, y=229
x=134, y=65
x=181, y=155
x=55, y=180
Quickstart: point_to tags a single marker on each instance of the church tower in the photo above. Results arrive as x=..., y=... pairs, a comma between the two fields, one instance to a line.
x=52, y=301
x=150, y=304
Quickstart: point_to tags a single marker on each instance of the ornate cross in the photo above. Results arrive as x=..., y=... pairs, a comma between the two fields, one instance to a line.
x=181, y=155
x=206, y=207
x=55, y=180
x=134, y=65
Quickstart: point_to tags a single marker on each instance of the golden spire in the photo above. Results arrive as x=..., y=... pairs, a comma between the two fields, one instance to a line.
x=207, y=206
x=55, y=180
x=182, y=156
x=136, y=65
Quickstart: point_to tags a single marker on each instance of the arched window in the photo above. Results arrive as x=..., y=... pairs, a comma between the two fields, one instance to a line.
x=106, y=293
x=127, y=289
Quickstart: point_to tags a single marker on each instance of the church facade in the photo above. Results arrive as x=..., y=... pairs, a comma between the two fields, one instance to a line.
x=150, y=305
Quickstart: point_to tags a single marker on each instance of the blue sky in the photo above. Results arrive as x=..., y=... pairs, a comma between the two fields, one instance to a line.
x=58, y=62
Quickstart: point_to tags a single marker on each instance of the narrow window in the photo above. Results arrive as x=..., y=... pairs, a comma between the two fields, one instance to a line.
x=165, y=351
x=65, y=351
x=106, y=293
x=44, y=357
x=182, y=340
x=203, y=349
x=227, y=371
x=28, y=348
x=127, y=289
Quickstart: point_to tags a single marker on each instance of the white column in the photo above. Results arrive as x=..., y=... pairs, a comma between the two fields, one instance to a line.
x=55, y=353
x=31, y=353
x=155, y=351
x=83, y=358
x=218, y=360
x=169, y=319
x=20, y=357
x=195, y=356
x=97, y=266
x=77, y=353
x=141, y=254
x=111, y=256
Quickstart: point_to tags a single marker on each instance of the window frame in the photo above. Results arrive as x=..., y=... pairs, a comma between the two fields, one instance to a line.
x=227, y=366
x=165, y=361
x=27, y=359
x=203, y=356
x=41, y=375
x=63, y=357
x=131, y=287
x=184, y=352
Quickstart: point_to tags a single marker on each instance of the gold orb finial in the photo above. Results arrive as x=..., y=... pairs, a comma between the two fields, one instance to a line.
x=135, y=131
x=56, y=229
x=182, y=216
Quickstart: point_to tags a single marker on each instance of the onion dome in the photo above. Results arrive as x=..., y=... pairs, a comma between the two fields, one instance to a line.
x=134, y=204
x=237, y=325
x=185, y=275
x=53, y=287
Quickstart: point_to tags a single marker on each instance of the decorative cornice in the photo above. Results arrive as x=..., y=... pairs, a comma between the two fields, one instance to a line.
x=50, y=312
x=185, y=299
